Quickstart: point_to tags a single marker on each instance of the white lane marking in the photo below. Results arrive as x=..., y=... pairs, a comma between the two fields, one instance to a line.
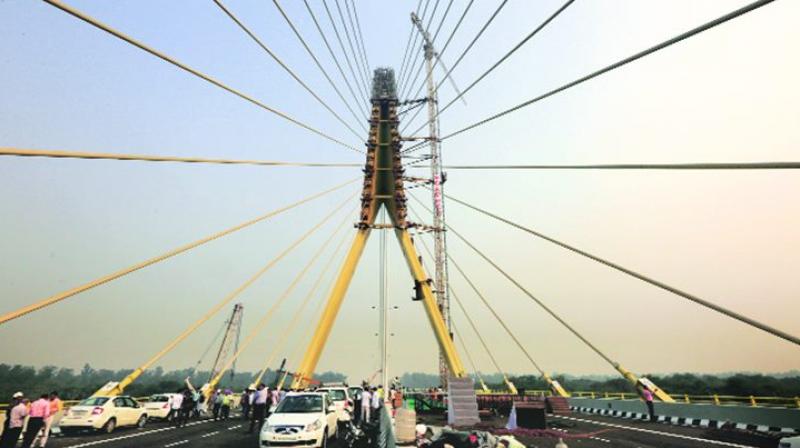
x=659, y=433
x=176, y=443
x=130, y=436
x=231, y=428
x=209, y=434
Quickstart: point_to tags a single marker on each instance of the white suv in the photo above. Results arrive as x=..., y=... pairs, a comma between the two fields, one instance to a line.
x=104, y=414
x=301, y=419
x=341, y=399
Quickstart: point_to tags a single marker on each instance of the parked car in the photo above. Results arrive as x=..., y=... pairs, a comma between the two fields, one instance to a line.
x=789, y=442
x=104, y=414
x=301, y=419
x=159, y=406
x=341, y=399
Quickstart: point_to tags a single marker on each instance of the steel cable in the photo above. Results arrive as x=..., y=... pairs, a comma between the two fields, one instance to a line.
x=416, y=77
x=344, y=53
x=417, y=54
x=125, y=271
x=694, y=31
x=58, y=154
x=642, y=277
x=336, y=60
x=96, y=23
x=283, y=65
x=359, y=119
x=359, y=66
x=279, y=301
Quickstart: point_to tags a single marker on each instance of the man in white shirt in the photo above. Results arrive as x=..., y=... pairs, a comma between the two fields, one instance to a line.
x=366, y=401
x=176, y=403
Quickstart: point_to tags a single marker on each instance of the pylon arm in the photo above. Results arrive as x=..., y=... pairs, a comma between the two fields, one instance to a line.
x=431, y=308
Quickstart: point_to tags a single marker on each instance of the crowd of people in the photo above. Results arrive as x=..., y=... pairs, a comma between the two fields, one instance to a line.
x=39, y=414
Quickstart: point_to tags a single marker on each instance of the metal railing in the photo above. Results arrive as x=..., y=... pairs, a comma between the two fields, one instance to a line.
x=715, y=399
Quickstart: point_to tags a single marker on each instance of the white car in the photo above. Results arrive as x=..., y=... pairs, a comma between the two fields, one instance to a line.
x=104, y=414
x=789, y=442
x=159, y=406
x=301, y=419
x=341, y=399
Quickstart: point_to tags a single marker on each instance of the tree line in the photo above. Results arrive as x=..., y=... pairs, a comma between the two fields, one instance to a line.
x=740, y=384
x=75, y=385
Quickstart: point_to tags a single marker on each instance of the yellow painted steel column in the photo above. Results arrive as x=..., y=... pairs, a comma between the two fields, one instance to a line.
x=431, y=308
x=334, y=303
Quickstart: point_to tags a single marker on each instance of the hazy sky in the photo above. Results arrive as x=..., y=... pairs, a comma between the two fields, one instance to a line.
x=729, y=94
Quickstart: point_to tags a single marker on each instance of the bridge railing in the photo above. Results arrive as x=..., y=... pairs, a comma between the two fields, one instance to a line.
x=716, y=399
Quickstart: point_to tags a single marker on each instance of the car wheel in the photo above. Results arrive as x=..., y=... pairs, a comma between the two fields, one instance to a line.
x=142, y=421
x=110, y=425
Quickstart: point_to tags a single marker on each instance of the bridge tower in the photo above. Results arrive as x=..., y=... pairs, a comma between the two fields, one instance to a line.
x=382, y=187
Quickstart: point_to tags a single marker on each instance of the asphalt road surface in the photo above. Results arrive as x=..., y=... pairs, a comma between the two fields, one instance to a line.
x=593, y=431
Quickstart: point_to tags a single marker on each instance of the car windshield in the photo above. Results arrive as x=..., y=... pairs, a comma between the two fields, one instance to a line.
x=159, y=398
x=300, y=404
x=336, y=394
x=93, y=401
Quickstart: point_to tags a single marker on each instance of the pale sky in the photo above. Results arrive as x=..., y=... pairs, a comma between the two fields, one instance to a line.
x=729, y=94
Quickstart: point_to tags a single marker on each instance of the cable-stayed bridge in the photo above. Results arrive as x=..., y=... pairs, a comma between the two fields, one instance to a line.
x=376, y=107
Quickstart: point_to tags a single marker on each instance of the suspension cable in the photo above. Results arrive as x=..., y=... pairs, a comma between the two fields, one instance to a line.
x=632, y=273
x=778, y=165
x=694, y=31
x=58, y=154
x=460, y=58
x=299, y=312
x=105, y=279
x=524, y=290
x=335, y=59
x=416, y=77
x=508, y=54
x=283, y=65
x=359, y=66
x=268, y=315
x=344, y=53
x=225, y=301
x=469, y=318
x=208, y=349
x=469, y=356
x=319, y=66
x=96, y=23
x=477, y=333
x=357, y=38
x=487, y=304
x=361, y=36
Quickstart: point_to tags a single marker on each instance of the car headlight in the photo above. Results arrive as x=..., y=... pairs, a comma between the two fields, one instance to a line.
x=268, y=428
x=314, y=426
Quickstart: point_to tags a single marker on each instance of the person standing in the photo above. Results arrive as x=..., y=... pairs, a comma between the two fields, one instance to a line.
x=259, y=407
x=366, y=404
x=16, y=412
x=218, y=399
x=357, y=406
x=56, y=406
x=39, y=411
x=227, y=401
x=377, y=401
x=274, y=399
x=175, y=408
x=245, y=404
x=648, y=399
x=15, y=423
x=186, y=407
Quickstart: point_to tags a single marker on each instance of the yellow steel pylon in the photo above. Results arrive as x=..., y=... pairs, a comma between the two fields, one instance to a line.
x=383, y=187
